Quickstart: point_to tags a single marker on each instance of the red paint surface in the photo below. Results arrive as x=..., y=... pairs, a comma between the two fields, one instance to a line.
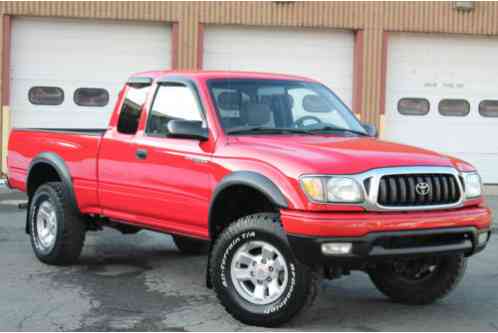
x=360, y=224
x=171, y=192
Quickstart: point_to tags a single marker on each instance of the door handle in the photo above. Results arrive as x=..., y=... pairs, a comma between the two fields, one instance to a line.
x=141, y=154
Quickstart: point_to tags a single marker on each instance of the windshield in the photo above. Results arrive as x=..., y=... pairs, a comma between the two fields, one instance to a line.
x=254, y=106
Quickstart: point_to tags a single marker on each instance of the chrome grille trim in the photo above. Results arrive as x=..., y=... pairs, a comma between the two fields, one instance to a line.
x=374, y=176
x=371, y=179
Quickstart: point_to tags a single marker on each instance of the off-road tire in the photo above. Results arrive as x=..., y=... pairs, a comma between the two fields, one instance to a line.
x=299, y=292
x=449, y=273
x=190, y=245
x=71, y=227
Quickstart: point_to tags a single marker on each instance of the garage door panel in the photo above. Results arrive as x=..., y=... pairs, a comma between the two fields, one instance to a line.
x=73, y=54
x=66, y=115
x=445, y=67
x=326, y=55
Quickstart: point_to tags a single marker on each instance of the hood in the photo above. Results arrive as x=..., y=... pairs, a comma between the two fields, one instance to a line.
x=332, y=154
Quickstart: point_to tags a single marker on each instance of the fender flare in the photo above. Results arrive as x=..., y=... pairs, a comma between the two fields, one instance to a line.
x=56, y=162
x=250, y=179
x=246, y=178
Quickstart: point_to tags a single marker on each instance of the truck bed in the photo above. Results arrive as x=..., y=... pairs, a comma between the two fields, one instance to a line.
x=77, y=149
x=84, y=131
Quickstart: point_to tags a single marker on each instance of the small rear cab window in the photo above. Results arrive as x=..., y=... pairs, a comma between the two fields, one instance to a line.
x=410, y=106
x=44, y=95
x=96, y=97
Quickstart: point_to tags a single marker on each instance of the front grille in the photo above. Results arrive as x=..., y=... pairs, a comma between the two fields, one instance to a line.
x=401, y=190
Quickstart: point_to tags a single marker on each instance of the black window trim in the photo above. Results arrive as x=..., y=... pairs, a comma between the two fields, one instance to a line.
x=178, y=81
x=487, y=100
x=46, y=104
x=91, y=106
x=414, y=115
x=453, y=99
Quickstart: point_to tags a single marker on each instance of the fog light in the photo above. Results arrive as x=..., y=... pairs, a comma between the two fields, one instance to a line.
x=336, y=248
x=483, y=238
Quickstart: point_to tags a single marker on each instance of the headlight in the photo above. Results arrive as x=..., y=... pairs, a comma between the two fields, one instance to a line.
x=343, y=190
x=472, y=184
x=332, y=189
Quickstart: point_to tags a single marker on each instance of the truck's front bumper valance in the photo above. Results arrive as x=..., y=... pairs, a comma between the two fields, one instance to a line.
x=389, y=245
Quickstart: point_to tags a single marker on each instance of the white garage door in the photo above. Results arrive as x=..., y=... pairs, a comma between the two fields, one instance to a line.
x=67, y=73
x=442, y=95
x=326, y=55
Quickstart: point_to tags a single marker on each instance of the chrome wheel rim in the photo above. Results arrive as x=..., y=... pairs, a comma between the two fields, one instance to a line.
x=46, y=226
x=259, y=272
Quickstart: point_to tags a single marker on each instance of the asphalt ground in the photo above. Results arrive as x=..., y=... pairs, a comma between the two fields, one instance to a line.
x=142, y=282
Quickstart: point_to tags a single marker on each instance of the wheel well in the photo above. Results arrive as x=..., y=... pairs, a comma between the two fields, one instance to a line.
x=235, y=202
x=41, y=173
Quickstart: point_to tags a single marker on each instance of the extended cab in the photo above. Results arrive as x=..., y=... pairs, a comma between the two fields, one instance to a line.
x=272, y=174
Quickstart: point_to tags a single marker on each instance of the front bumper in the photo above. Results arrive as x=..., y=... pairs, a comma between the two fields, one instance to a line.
x=391, y=245
x=380, y=236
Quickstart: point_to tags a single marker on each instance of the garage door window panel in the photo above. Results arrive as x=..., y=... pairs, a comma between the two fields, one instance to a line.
x=46, y=95
x=129, y=116
x=454, y=107
x=489, y=108
x=410, y=106
x=172, y=102
x=92, y=97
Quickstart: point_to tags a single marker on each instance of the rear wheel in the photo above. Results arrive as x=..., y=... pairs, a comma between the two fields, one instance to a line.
x=255, y=275
x=57, y=230
x=190, y=245
x=419, y=281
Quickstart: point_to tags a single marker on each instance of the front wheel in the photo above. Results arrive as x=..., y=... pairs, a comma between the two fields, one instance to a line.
x=255, y=275
x=419, y=281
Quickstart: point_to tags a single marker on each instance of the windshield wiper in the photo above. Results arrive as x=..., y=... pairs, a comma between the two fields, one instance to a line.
x=333, y=128
x=266, y=130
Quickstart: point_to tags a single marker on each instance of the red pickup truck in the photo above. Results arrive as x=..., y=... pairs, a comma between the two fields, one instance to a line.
x=272, y=175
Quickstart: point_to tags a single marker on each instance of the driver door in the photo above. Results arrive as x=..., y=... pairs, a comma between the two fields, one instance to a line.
x=174, y=173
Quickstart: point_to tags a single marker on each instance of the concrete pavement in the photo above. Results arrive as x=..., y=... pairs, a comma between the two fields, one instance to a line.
x=141, y=282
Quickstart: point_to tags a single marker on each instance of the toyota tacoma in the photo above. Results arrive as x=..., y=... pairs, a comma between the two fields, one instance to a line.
x=271, y=175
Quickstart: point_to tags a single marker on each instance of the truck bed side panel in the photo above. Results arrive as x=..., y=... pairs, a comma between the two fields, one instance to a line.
x=78, y=150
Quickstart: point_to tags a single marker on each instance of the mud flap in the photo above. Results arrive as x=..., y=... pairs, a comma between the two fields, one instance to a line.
x=209, y=284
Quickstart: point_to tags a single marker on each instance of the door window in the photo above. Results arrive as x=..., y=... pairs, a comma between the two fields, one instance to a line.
x=172, y=102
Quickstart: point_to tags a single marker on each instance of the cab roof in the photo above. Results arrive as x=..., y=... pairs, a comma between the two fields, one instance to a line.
x=206, y=75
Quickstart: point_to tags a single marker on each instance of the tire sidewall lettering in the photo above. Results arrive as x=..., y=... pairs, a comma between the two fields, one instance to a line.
x=227, y=254
x=284, y=301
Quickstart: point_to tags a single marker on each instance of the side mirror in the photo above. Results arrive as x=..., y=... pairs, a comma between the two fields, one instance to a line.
x=187, y=130
x=371, y=130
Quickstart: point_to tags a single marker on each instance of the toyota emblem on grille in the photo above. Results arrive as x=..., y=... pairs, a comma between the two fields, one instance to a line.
x=423, y=188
